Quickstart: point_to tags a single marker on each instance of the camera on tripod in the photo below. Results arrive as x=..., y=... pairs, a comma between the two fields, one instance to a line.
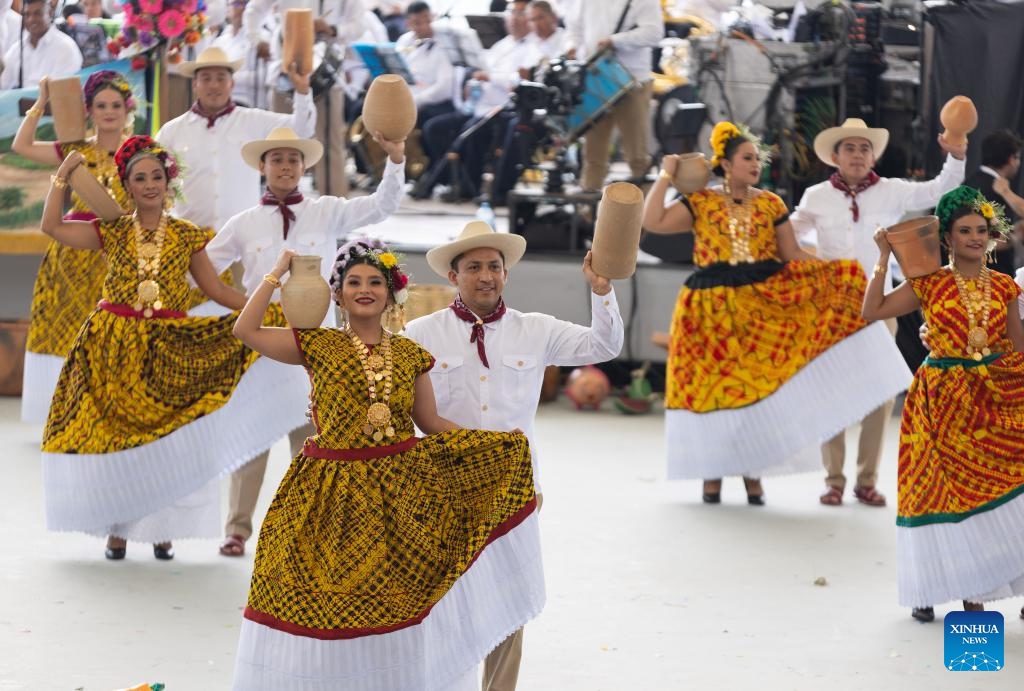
x=557, y=90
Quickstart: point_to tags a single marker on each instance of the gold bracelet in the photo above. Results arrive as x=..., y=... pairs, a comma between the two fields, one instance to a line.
x=272, y=280
x=58, y=182
x=881, y=269
x=34, y=112
x=664, y=174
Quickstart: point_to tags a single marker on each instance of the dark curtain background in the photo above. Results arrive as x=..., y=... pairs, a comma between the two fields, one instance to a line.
x=975, y=50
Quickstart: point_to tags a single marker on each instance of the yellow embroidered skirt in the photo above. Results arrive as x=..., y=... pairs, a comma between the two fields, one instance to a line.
x=392, y=567
x=960, y=519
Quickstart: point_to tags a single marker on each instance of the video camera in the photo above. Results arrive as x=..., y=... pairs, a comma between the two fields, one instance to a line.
x=550, y=99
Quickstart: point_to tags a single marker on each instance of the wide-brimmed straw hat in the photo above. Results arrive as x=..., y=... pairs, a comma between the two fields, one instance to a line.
x=282, y=138
x=825, y=142
x=211, y=57
x=476, y=234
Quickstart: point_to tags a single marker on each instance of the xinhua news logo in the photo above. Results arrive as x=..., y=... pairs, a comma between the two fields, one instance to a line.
x=974, y=641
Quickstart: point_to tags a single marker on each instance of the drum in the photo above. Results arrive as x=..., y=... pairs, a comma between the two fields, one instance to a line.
x=372, y=158
x=605, y=82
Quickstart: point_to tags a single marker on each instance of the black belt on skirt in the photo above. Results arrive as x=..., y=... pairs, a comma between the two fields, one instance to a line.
x=733, y=276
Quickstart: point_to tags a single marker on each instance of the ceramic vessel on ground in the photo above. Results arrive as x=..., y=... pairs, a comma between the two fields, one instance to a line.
x=305, y=295
x=587, y=386
x=959, y=117
x=916, y=245
x=67, y=106
x=617, y=232
x=389, y=108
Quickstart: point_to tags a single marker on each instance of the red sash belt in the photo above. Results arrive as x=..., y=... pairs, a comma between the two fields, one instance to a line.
x=311, y=449
x=129, y=311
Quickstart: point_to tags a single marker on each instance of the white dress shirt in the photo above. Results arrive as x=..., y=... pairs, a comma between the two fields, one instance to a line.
x=10, y=25
x=255, y=237
x=346, y=16
x=642, y=29
x=826, y=210
x=430, y=67
x=504, y=59
x=519, y=346
x=550, y=47
x=216, y=182
x=56, y=55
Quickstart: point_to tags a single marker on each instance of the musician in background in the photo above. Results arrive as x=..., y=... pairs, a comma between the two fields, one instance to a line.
x=337, y=22
x=631, y=28
x=234, y=41
x=46, y=50
x=547, y=38
x=429, y=64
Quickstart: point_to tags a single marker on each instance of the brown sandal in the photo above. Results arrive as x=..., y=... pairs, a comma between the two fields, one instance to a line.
x=233, y=546
x=869, y=496
x=832, y=497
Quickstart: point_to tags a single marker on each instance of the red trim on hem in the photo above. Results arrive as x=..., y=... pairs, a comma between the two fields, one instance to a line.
x=80, y=216
x=129, y=311
x=311, y=449
x=96, y=229
x=272, y=622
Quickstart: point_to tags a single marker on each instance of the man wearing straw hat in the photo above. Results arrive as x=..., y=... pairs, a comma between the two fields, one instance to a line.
x=208, y=139
x=845, y=210
x=489, y=359
x=284, y=219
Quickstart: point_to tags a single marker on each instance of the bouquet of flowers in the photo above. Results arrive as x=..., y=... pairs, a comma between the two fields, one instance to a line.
x=149, y=23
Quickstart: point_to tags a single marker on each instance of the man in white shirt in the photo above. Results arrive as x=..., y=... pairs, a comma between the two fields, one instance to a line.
x=845, y=210
x=235, y=43
x=489, y=360
x=208, y=139
x=429, y=64
x=632, y=28
x=336, y=23
x=42, y=51
x=285, y=220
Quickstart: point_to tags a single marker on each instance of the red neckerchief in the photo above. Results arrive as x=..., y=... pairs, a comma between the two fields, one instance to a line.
x=287, y=215
x=211, y=120
x=464, y=313
x=837, y=181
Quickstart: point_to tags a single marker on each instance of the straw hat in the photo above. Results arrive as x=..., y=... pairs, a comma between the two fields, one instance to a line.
x=825, y=142
x=476, y=234
x=282, y=138
x=211, y=57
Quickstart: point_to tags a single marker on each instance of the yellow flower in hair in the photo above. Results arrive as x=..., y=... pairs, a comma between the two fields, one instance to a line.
x=388, y=260
x=720, y=135
x=987, y=211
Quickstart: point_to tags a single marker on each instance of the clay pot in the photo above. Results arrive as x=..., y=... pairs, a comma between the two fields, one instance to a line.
x=298, y=37
x=305, y=296
x=916, y=245
x=587, y=386
x=617, y=232
x=67, y=106
x=959, y=117
x=96, y=196
x=692, y=173
x=389, y=108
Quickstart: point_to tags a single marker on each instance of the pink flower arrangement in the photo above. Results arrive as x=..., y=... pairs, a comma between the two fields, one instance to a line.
x=173, y=23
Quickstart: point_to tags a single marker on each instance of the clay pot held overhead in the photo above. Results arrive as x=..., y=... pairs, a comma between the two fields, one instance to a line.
x=68, y=107
x=959, y=117
x=389, y=108
x=692, y=173
x=298, y=37
x=916, y=245
x=305, y=296
x=617, y=231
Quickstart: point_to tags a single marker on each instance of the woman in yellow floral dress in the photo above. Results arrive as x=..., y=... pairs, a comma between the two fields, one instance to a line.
x=768, y=354
x=70, y=280
x=960, y=519
x=385, y=561
x=143, y=419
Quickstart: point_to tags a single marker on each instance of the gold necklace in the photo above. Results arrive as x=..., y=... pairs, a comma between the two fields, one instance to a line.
x=740, y=228
x=976, y=296
x=377, y=367
x=147, y=254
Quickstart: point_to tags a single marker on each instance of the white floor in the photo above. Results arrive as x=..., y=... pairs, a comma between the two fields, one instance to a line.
x=648, y=588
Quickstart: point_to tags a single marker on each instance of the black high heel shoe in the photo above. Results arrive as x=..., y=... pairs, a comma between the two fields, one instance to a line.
x=923, y=614
x=115, y=553
x=163, y=551
x=754, y=499
x=974, y=606
x=714, y=497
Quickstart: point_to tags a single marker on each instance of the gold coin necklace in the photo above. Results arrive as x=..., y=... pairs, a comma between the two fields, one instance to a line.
x=147, y=254
x=377, y=367
x=740, y=228
x=976, y=296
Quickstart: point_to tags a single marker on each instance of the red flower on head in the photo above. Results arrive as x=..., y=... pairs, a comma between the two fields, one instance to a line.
x=139, y=62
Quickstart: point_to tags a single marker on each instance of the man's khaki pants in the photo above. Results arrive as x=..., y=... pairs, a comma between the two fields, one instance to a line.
x=244, y=490
x=632, y=117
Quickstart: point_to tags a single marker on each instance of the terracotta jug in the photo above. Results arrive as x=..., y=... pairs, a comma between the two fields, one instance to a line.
x=959, y=117
x=95, y=195
x=587, y=386
x=389, y=108
x=68, y=107
x=692, y=173
x=297, y=38
x=916, y=245
x=617, y=232
x=305, y=296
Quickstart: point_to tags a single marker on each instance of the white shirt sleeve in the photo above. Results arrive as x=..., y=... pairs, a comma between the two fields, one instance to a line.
x=303, y=117
x=373, y=208
x=921, y=195
x=223, y=249
x=253, y=16
x=572, y=344
x=643, y=27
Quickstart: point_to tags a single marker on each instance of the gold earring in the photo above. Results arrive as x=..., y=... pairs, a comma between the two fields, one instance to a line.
x=727, y=185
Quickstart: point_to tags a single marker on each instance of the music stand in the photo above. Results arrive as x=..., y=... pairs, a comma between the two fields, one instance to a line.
x=462, y=46
x=489, y=28
x=382, y=58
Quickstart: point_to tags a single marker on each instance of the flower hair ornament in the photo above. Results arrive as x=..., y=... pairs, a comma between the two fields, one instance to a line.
x=725, y=131
x=108, y=79
x=142, y=145
x=969, y=197
x=374, y=252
